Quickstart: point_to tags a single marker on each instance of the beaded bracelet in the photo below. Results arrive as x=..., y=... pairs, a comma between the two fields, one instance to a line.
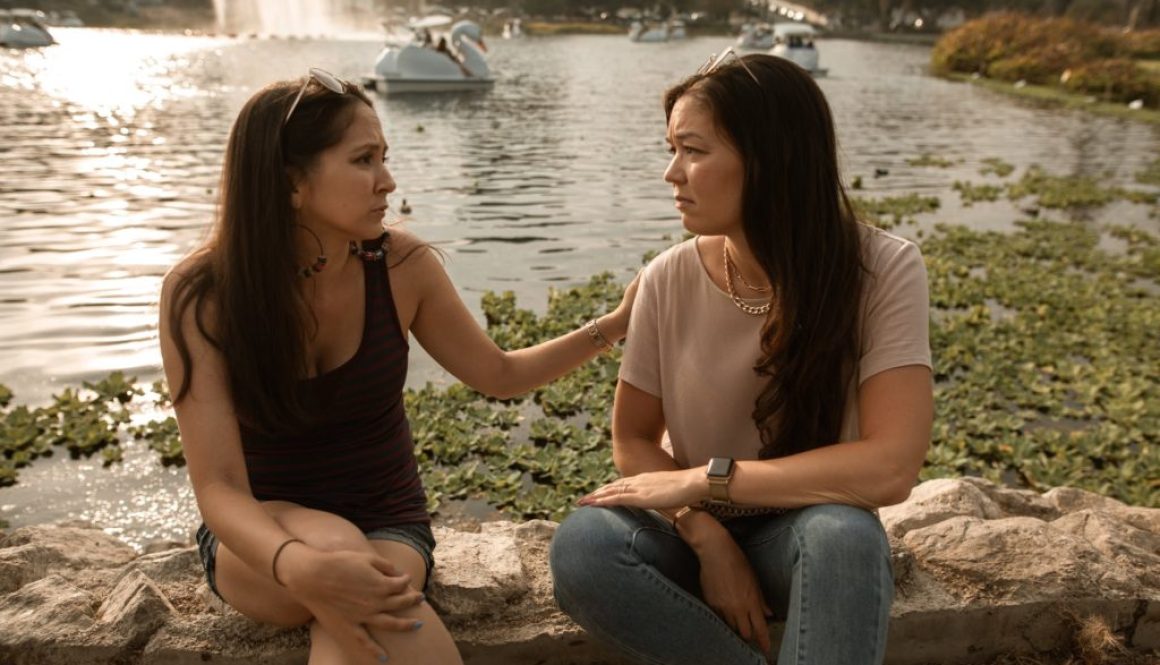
x=274, y=561
x=598, y=338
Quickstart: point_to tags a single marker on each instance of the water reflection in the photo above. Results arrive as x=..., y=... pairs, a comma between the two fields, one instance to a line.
x=111, y=144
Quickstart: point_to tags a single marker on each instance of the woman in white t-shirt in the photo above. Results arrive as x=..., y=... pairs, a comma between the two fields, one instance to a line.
x=775, y=390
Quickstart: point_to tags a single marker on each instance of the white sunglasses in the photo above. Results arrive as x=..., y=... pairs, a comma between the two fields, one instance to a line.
x=325, y=79
x=715, y=61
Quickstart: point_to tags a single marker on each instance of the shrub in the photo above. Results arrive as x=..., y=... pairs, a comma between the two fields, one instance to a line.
x=1117, y=80
x=1058, y=42
x=1141, y=44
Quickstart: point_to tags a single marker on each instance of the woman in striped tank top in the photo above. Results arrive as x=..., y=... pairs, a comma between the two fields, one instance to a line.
x=285, y=339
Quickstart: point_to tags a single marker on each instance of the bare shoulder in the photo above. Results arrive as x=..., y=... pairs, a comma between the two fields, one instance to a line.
x=408, y=252
x=176, y=283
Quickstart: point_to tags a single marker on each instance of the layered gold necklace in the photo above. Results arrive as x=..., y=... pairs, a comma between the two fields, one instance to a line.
x=731, y=269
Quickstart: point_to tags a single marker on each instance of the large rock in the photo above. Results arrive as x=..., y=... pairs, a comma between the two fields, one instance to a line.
x=981, y=573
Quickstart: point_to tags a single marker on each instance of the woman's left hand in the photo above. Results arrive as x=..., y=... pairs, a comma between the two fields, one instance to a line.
x=656, y=489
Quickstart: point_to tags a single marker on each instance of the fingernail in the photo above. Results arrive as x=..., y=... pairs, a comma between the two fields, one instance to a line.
x=383, y=658
x=417, y=626
x=422, y=597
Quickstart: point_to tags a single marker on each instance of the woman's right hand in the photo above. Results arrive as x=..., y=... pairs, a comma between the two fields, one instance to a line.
x=614, y=325
x=730, y=587
x=349, y=592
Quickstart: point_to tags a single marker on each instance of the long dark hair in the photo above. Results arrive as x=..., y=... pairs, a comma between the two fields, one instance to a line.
x=245, y=272
x=802, y=229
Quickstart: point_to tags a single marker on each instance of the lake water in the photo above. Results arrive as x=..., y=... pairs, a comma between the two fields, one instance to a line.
x=110, y=150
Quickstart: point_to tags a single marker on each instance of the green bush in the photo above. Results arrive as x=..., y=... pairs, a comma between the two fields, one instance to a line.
x=1057, y=43
x=1115, y=79
x=1142, y=43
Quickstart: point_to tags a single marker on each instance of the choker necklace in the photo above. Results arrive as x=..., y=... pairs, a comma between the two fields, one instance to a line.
x=375, y=254
x=755, y=310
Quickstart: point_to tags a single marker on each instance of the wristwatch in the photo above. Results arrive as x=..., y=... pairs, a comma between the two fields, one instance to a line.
x=720, y=472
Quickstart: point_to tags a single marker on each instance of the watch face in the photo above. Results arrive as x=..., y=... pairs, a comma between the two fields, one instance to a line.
x=720, y=467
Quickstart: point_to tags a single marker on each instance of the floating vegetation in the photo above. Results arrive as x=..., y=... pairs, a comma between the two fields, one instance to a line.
x=1151, y=174
x=892, y=211
x=1045, y=353
x=1045, y=348
x=1074, y=191
x=973, y=193
x=996, y=166
x=927, y=159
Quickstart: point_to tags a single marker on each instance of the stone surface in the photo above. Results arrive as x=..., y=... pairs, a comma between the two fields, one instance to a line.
x=981, y=572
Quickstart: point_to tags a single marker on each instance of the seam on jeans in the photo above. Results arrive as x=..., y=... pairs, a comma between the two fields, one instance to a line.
x=802, y=595
x=683, y=596
x=770, y=537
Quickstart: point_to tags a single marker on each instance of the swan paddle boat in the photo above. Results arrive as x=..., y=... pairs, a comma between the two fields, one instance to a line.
x=795, y=42
x=23, y=28
x=433, y=62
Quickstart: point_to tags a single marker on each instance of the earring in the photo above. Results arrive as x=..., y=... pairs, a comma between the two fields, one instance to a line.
x=319, y=263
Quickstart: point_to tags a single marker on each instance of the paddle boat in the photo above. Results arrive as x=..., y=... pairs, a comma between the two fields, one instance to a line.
x=755, y=37
x=513, y=29
x=795, y=42
x=639, y=32
x=23, y=28
x=433, y=61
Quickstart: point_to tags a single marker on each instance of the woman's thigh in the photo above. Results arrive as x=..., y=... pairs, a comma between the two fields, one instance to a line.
x=830, y=545
x=255, y=594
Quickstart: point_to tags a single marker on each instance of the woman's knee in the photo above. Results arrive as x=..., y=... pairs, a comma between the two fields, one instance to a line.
x=319, y=529
x=584, y=543
x=839, y=531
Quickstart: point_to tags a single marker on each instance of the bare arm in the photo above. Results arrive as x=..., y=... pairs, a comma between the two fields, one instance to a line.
x=212, y=446
x=896, y=410
x=895, y=414
x=447, y=330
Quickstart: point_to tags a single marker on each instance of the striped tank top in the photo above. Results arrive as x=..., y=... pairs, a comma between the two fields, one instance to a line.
x=358, y=461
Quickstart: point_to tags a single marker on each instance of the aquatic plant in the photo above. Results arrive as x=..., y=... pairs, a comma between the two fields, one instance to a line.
x=972, y=193
x=927, y=159
x=996, y=166
x=891, y=211
x=1151, y=174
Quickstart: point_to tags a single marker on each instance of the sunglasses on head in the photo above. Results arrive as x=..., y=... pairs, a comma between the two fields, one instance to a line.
x=325, y=79
x=715, y=61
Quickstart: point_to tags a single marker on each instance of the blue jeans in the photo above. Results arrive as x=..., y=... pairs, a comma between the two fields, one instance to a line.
x=627, y=577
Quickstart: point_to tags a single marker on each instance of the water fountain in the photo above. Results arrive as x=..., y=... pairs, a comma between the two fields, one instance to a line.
x=298, y=17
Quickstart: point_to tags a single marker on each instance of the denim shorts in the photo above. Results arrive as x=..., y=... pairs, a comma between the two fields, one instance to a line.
x=416, y=536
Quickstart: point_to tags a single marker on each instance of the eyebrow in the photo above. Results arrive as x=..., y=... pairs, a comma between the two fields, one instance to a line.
x=686, y=135
x=373, y=145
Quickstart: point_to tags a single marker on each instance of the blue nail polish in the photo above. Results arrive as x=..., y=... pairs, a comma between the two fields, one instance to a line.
x=422, y=597
x=383, y=658
x=417, y=626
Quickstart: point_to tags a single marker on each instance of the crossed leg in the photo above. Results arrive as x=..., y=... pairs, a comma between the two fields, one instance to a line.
x=260, y=598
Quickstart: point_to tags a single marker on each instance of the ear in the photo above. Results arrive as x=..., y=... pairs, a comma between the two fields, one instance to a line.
x=297, y=187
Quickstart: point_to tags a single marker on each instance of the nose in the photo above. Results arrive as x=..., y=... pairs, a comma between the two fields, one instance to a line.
x=385, y=182
x=675, y=172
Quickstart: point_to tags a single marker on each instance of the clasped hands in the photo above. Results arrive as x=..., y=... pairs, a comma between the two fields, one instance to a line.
x=728, y=582
x=349, y=593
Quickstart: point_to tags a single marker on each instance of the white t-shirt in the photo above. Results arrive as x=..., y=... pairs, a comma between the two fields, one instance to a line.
x=692, y=348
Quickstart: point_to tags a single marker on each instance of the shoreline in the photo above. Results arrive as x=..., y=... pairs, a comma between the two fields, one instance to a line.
x=1055, y=98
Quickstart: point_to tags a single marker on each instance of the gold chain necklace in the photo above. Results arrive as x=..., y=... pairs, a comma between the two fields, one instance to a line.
x=755, y=310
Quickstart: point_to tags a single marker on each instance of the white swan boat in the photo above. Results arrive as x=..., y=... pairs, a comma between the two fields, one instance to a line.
x=428, y=63
x=638, y=32
x=795, y=42
x=23, y=28
x=755, y=37
x=513, y=29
